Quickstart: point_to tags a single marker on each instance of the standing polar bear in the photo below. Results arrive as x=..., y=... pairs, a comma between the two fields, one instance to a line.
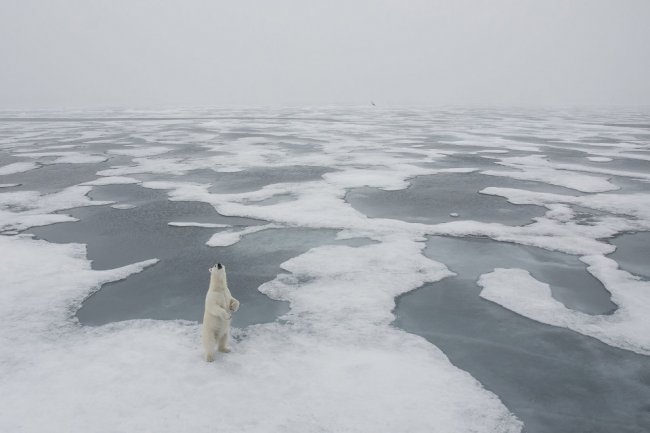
x=219, y=304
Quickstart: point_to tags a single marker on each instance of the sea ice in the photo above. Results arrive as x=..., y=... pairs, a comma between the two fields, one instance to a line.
x=18, y=167
x=627, y=328
x=326, y=375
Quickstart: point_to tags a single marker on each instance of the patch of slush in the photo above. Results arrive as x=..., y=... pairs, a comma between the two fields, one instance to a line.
x=329, y=375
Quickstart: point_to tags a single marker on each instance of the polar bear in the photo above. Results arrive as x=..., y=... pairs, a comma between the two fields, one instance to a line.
x=219, y=305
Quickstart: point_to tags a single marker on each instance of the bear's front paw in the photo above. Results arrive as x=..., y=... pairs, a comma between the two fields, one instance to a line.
x=226, y=349
x=209, y=357
x=234, y=305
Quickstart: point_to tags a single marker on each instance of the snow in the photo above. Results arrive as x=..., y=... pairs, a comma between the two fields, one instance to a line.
x=18, y=167
x=193, y=224
x=8, y=185
x=628, y=327
x=536, y=168
x=231, y=237
x=309, y=374
x=123, y=206
x=636, y=205
x=21, y=210
x=538, y=162
x=599, y=158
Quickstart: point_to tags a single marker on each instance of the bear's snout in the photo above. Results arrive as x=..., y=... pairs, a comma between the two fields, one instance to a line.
x=219, y=266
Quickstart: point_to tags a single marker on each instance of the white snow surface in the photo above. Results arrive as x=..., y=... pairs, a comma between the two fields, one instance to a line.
x=193, y=224
x=232, y=236
x=336, y=367
x=536, y=168
x=599, y=159
x=18, y=167
x=123, y=206
x=21, y=210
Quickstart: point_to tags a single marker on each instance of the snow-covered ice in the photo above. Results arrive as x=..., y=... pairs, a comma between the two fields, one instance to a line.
x=333, y=209
x=17, y=167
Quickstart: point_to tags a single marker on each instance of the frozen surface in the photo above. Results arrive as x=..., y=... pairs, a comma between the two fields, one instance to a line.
x=627, y=327
x=17, y=167
x=322, y=217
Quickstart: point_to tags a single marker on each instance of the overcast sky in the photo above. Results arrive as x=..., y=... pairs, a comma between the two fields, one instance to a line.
x=177, y=53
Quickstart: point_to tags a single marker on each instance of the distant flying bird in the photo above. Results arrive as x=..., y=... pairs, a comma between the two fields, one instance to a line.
x=373, y=104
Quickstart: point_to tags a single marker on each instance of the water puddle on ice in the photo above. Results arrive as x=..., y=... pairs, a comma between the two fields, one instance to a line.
x=254, y=178
x=54, y=177
x=570, y=282
x=633, y=253
x=175, y=287
x=431, y=199
x=551, y=378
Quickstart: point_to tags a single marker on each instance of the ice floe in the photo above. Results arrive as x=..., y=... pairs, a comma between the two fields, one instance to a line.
x=536, y=168
x=230, y=237
x=628, y=327
x=18, y=167
x=193, y=224
x=20, y=210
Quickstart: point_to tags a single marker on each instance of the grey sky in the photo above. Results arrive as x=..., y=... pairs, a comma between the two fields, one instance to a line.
x=151, y=53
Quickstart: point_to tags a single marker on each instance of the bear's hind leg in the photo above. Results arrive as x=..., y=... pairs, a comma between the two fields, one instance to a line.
x=209, y=344
x=224, y=339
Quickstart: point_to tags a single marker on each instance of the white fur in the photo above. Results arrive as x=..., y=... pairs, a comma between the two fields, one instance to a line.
x=219, y=305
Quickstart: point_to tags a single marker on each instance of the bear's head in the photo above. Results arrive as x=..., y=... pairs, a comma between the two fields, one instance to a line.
x=218, y=276
x=217, y=268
